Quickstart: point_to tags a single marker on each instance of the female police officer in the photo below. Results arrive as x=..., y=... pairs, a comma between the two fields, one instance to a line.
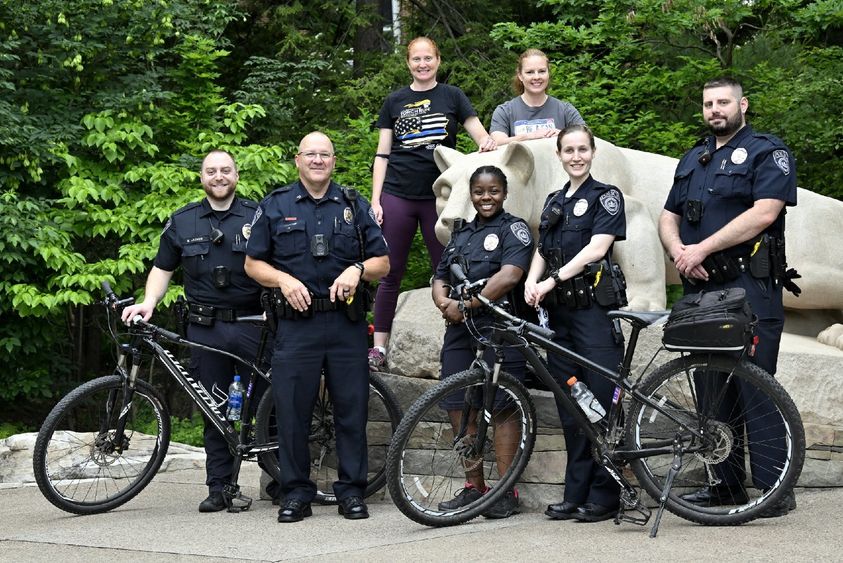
x=579, y=224
x=497, y=246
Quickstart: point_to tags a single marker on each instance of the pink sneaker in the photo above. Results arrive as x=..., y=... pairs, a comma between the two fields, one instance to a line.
x=377, y=360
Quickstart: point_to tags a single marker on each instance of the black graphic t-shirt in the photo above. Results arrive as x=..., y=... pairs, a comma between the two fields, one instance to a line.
x=420, y=121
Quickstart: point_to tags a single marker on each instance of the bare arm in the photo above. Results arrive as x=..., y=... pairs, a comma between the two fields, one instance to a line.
x=595, y=250
x=485, y=142
x=379, y=171
x=156, y=287
x=501, y=138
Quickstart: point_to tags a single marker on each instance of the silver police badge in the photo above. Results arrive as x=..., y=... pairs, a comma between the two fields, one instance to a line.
x=490, y=242
x=739, y=155
x=611, y=201
x=247, y=231
x=347, y=215
x=782, y=161
x=580, y=207
x=522, y=233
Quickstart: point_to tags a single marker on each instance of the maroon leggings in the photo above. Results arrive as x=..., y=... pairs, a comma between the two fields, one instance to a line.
x=401, y=218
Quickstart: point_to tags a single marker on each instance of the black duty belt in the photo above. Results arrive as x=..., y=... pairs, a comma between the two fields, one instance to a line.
x=200, y=313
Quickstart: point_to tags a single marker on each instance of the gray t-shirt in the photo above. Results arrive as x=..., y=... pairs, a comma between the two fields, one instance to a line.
x=515, y=117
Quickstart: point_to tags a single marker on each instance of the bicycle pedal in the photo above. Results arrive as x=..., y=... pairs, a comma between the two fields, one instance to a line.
x=640, y=514
x=239, y=503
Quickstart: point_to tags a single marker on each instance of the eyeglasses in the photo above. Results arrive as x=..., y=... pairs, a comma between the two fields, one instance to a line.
x=313, y=155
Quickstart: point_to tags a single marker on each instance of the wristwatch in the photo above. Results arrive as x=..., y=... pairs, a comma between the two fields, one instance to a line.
x=359, y=266
x=555, y=276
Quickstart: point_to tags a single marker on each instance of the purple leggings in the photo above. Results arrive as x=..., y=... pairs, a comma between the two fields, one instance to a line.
x=401, y=218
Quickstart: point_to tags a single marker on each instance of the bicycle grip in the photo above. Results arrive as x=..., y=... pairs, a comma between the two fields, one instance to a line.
x=109, y=293
x=541, y=331
x=456, y=271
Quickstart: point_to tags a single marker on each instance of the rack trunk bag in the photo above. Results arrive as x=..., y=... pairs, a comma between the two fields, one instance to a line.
x=710, y=321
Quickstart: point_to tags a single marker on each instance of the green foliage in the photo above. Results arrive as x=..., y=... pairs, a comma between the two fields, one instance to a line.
x=11, y=428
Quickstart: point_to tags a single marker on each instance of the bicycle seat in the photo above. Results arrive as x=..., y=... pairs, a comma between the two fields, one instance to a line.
x=639, y=319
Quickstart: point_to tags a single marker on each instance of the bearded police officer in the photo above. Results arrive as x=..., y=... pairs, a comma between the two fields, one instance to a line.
x=208, y=240
x=316, y=242
x=723, y=226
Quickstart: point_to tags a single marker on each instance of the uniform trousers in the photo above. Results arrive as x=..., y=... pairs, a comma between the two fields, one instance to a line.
x=589, y=333
x=304, y=348
x=213, y=369
x=746, y=411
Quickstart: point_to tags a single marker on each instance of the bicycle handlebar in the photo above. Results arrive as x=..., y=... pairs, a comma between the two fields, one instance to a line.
x=473, y=289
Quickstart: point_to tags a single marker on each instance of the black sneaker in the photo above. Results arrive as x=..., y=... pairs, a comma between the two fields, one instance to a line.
x=464, y=497
x=781, y=508
x=214, y=503
x=505, y=506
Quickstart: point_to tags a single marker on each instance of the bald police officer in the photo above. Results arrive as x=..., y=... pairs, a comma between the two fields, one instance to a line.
x=723, y=226
x=208, y=240
x=316, y=241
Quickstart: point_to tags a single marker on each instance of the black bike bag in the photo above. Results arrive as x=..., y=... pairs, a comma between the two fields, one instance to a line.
x=710, y=321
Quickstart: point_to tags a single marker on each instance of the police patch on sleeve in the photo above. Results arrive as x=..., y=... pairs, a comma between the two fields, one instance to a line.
x=782, y=161
x=611, y=201
x=167, y=226
x=258, y=214
x=372, y=215
x=522, y=233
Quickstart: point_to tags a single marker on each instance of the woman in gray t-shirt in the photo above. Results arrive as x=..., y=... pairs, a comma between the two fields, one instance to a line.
x=532, y=114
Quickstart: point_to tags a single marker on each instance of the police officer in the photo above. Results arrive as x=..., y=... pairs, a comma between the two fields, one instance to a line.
x=723, y=226
x=317, y=242
x=578, y=227
x=497, y=246
x=208, y=240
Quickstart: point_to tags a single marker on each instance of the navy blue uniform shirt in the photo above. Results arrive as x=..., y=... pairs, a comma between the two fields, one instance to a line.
x=287, y=220
x=186, y=241
x=594, y=209
x=751, y=166
x=486, y=247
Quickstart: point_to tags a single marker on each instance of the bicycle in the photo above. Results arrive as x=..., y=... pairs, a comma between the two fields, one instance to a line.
x=658, y=425
x=105, y=440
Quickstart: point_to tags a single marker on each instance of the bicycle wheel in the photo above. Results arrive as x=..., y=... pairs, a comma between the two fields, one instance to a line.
x=424, y=465
x=384, y=416
x=753, y=439
x=77, y=463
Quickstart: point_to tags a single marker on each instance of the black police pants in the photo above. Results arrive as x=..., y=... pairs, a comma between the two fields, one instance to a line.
x=213, y=369
x=304, y=348
x=588, y=332
x=741, y=406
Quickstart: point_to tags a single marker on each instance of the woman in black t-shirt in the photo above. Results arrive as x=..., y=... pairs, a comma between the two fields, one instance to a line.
x=413, y=122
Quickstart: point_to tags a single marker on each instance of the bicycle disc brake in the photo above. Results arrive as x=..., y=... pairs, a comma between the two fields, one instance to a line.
x=466, y=448
x=722, y=441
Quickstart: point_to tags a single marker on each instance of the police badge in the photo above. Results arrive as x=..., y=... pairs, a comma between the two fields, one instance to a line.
x=347, y=215
x=246, y=230
x=490, y=242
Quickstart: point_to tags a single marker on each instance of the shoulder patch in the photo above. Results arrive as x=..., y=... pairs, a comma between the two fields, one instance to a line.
x=780, y=157
x=611, y=201
x=167, y=226
x=521, y=232
x=258, y=213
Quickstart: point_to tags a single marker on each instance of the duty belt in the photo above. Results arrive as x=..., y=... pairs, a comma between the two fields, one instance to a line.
x=206, y=314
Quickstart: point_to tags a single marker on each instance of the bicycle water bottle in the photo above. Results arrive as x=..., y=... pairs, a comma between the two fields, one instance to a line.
x=585, y=399
x=235, y=399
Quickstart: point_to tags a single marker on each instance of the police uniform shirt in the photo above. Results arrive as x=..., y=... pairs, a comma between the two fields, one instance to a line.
x=287, y=220
x=594, y=209
x=751, y=166
x=186, y=241
x=486, y=247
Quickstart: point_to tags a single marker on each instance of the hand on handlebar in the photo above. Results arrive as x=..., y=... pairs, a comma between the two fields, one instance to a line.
x=143, y=309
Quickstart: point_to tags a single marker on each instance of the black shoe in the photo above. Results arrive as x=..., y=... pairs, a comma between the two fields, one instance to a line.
x=353, y=508
x=562, y=510
x=294, y=510
x=716, y=496
x=591, y=512
x=505, y=506
x=781, y=508
x=214, y=503
x=464, y=497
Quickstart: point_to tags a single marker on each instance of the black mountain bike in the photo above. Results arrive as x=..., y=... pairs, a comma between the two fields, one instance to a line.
x=672, y=438
x=105, y=440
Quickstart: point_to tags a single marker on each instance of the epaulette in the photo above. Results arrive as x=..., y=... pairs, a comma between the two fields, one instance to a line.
x=775, y=141
x=249, y=203
x=283, y=189
x=188, y=207
x=701, y=141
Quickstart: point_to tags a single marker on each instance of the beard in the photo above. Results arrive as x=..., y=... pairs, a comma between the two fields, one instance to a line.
x=219, y=193
x=730, y=126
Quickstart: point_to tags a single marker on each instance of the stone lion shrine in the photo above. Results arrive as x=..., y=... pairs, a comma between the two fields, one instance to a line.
x=808, y=368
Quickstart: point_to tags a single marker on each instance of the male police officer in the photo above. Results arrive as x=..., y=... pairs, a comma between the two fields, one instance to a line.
x=208, y=239
x=723, y=226
x=317, y=242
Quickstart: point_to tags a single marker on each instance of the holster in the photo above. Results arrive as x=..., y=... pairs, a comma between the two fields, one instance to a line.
x=761, y=260
x=608, y=283
x=574, y=293
x=361, y=304
x=181, y=313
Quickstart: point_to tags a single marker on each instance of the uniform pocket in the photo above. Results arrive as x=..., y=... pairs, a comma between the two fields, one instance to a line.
x=194, y=256
x=733, y=181
x=345, y=243
x=291, y=238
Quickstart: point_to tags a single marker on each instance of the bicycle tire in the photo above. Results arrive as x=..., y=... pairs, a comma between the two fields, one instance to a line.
x=424, y=467
x=74, y=464
x=383, y=418
x=676, y=386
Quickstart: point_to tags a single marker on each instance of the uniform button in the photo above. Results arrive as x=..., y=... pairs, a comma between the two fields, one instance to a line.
x=711, y=190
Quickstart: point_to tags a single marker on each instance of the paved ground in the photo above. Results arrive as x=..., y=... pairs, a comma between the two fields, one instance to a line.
x=162, y=524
